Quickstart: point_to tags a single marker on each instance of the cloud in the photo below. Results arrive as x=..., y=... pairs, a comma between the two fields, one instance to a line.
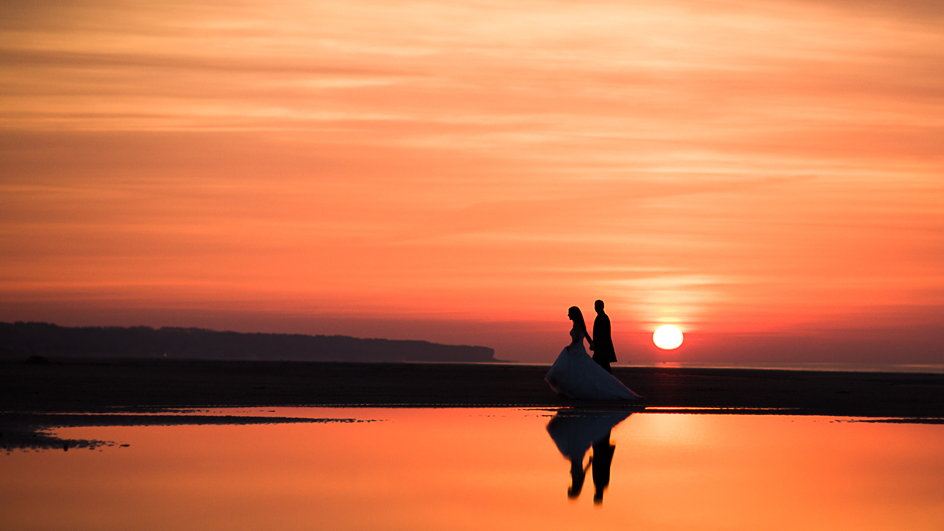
x=769, y=164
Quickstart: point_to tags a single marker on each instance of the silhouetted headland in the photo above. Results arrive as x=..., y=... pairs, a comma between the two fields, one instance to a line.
x=48, y=340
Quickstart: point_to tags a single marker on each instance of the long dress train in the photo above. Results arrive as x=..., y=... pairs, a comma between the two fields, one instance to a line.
x=575, y=375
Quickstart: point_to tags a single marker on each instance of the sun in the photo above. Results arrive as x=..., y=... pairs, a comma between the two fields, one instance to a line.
x=667, y=337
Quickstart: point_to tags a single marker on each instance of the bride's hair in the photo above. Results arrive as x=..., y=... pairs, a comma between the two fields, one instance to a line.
x=574, y=313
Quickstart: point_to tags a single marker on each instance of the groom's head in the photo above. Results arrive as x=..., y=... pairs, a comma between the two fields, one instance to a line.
x=598, y=306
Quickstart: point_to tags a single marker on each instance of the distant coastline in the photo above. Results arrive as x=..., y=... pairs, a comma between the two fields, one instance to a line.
x=904, y=368
x=42, y=340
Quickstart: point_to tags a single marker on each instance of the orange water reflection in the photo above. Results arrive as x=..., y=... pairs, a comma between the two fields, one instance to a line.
x=483, y=469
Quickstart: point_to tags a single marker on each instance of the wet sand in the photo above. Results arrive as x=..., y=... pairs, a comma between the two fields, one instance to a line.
x=103, y=385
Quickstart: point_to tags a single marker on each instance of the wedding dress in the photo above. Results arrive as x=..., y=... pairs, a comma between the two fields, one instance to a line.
x=575, y=432
x=575, y=375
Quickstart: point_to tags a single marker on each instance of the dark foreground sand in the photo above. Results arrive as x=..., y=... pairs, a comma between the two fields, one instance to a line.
x=97, y=386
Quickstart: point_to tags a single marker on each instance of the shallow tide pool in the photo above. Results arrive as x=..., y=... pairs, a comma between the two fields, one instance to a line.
x=379, y=469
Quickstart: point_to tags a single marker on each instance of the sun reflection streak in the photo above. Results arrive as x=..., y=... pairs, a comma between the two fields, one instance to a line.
x=752, y=166
x=676, y=299
x=486, y=469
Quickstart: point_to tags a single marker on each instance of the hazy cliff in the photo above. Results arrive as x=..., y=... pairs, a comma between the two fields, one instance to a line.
x=45, y=339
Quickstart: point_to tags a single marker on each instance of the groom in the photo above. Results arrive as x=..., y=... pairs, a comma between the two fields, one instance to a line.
x=602, y=346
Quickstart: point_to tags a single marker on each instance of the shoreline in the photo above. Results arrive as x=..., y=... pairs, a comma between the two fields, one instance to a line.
x=102, y=385
x=902, y=368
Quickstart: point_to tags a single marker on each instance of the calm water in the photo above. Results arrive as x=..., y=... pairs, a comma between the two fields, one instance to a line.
x=484, y=469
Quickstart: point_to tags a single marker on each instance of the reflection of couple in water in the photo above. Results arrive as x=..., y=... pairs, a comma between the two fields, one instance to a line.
x=575, y=375
x=574, y=433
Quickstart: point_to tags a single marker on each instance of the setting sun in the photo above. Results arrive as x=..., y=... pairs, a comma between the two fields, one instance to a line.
x=667, y=337
x=769, y=174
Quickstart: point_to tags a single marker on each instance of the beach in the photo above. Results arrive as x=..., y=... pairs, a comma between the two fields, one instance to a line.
x=110, y=384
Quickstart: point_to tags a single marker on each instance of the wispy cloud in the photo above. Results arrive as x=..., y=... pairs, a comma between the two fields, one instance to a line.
x=725, y=165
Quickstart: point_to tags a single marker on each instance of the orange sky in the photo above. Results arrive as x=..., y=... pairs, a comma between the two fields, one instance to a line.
x=767, y=176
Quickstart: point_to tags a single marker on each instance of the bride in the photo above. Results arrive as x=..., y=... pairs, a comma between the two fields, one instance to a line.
x=575, y=375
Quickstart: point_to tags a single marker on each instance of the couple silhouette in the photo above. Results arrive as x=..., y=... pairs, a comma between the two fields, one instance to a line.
x=576, y=375
x=575, y=433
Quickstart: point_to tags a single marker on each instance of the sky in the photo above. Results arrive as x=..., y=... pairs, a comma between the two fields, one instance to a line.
x=767, y=176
